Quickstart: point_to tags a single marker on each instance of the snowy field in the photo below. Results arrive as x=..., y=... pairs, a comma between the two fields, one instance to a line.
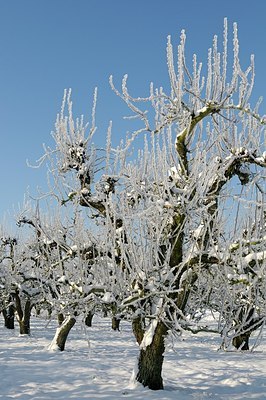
x=98, y=362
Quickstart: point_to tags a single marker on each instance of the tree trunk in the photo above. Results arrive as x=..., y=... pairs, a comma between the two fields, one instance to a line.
x=24, y=323
x=38, y=311
x=61, y=334
x=151, y=357
x=242, y=341
x=23, y=315
x=60, y=319
x=116, y=323
x=9, y=317
x=88, y=319
x=138, y=329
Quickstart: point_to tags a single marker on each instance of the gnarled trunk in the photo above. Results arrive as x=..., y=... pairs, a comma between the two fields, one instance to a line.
x=24, y=323
x=241, y=342
x=116, y=323
x=88, y=319
x=138, y=329
x=9, y=317
x=151, y=356
x=23, y=315
x=61, y=334
x=60, y=318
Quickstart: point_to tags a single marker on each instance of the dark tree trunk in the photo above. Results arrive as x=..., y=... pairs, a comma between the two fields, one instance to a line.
x=88, y=319
x=38, y=311
x=60, y=319
x=138, y=329
x=24, y=322
x=9, y=317
x=23, y=315
x=62, y=332
x=151, y=360
x=116, y=323
x=242, y=341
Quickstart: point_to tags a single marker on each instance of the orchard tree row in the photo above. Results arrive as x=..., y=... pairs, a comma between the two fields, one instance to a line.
x=161, y=230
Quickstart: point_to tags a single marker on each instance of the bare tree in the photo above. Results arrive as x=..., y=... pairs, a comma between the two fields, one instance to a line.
x=161, y=221
x=242, y=303
x=60, y=268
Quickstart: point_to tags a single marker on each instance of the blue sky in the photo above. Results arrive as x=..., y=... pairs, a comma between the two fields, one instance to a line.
x=49, y=45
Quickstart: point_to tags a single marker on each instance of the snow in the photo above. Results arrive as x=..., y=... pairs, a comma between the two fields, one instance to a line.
x=98, y=364
x=108, y=297
x=201, y=111
x=85, y=191
x=259, y=256
x=148, y=336
x=62, y=279
x=198, y=232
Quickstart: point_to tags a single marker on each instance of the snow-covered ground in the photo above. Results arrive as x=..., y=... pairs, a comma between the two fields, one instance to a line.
x=98, y=362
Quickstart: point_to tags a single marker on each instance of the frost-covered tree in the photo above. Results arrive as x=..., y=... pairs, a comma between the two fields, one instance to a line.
x=30, y=265
x=61, y=268
x=170, y=215
x=234, y=290
x=242, y=294
x=19, y=285
x=6, y=261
